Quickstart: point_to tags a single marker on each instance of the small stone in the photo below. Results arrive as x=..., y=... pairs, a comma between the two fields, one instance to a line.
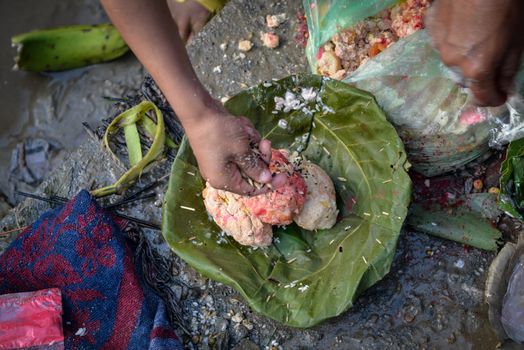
x=468, y=185
x=494, y=190
x=274, y=21
x=195, y=339
x=282, y=123
x=177, y=290
x=81, y=332
x=237, y=318
x=223, y=46
x=246, y=323
x=410, y=313
x=246, y=344
x=221, y=324
x=245, y=45
x=238, y=332
x=217, y=69
x=208, y=300
x=459, y=264
x=409, y=317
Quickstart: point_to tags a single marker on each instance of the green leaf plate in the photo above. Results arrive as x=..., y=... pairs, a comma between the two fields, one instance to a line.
x=304, y=277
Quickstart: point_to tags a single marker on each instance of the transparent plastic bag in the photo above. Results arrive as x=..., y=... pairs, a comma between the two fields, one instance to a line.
x=510, y=126
x=435, y=117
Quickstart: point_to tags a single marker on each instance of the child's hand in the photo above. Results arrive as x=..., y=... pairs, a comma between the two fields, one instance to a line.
x=190, y=17
x=228, y=149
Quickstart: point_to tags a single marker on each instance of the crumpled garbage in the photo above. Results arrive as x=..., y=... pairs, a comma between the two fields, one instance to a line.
x=504, y=292
x=30, y=160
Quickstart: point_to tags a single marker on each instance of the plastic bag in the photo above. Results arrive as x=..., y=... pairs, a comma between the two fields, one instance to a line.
x=435, y=117
x=31, y=319
x=510, y=127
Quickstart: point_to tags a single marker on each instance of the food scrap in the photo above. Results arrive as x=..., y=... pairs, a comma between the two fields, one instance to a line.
x=245, y=45
x=274, y=21
x=307, y=197
x=354, y=46
x=279, y=206
x=231, y=215
x=270, y=40
x=320, y=209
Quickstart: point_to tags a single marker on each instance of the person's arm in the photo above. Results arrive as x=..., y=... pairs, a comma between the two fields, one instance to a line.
x=222, y=144
x=483, y=38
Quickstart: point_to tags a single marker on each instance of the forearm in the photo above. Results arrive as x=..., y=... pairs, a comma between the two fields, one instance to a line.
x=152, y=35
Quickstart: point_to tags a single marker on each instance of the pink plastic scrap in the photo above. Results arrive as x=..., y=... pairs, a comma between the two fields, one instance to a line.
x=31, y=319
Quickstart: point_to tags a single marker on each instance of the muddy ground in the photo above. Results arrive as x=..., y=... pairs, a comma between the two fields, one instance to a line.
x=432, y=298
x=47, y=110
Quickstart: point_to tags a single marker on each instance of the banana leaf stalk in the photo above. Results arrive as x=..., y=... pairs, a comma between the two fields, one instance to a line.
x=468, y=221
x=128, y=120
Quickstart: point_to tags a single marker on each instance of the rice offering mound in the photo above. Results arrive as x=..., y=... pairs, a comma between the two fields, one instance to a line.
x=320, y=209
x=279, y=206
x=232, y=216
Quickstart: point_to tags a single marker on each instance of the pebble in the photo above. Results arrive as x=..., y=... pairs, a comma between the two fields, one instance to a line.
x=246, y=323
x=245, y=45
x=459, y=264
x=246, y=344
x=237, y=318
x=494, y=190
x=238, y=331
x=221, y=324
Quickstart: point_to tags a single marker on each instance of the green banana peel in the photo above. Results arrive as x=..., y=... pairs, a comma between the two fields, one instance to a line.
x=129, y=120
x=149, y=127
x=67, y=47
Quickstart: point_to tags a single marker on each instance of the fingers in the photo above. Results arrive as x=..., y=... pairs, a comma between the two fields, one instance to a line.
x=247, y=125
x=183, y=30
x=264, y=147
x=435, y=22
x=279, y=180
x=254, y=167
x=197, y=25
x=483, y=85
x=236, y=183
x=508, y=72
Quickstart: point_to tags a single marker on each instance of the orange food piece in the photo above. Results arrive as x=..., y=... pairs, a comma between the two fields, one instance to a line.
x=376, y=48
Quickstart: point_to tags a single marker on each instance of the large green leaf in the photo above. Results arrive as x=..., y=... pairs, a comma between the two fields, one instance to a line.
x=304, y=277
x=469, y=220
x=511, y=198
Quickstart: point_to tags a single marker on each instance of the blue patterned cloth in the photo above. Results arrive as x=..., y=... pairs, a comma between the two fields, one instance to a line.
x=80, y=248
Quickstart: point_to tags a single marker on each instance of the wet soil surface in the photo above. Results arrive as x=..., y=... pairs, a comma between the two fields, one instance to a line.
x=42, y=114
x=431, y=299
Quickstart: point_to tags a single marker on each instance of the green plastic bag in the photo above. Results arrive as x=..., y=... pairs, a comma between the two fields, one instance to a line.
x=326, y=17
x=304, y=277
x=434, y=116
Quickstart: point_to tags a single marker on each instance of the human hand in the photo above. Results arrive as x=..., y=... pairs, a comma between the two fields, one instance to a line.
x=189, y=16
x=482, y=38
x=229, y=150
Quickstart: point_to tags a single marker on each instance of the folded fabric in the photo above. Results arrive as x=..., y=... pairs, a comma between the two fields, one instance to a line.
x=80, y=249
